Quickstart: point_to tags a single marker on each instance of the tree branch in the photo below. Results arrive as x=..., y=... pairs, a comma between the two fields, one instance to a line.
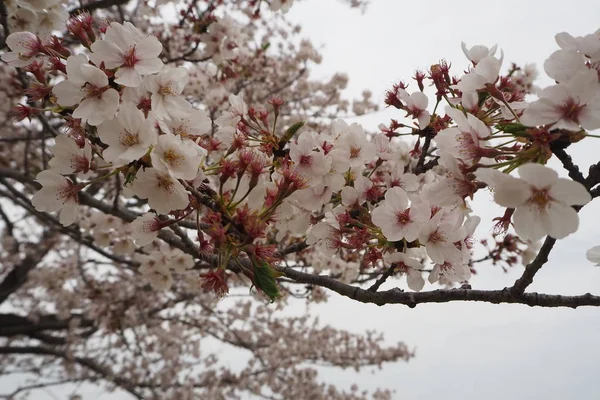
x=530, y=270
x=96, y=5
x=411, y=299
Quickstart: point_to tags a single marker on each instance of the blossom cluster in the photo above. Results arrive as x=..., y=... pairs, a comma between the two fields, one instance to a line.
x=252, y=181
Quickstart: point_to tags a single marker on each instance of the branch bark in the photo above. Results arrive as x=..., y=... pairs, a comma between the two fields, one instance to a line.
x=411, y=299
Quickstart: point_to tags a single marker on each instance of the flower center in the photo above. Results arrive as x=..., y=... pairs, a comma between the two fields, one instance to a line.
x=571, y=110
x=129, y=58
x=94, y=91
x=166, y=90
x=80, y=164
x=129, y=139
x=172, y=157
x=403, y=217
x=540, y=198
x=165, y=183
x=305, y=160
x=437, y=237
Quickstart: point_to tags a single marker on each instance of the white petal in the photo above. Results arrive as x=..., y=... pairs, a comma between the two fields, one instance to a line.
x=570, y=192
x=541, y=112
x=527, y=223
x=396, y=199
x=593, y=254
x=128, y=76
x=562, y=220
x=538, y=176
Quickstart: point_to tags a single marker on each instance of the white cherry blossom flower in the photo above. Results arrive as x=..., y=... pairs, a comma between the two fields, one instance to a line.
x=231, y=117
x=23, y=20
x=196, y=123
x=24, y=46
x=485, y=72
x=181, y=157
x=407, y=181
x=589, y=45
x=69, y=158
x=57, y=193
x=478, y=52
x=308, y=162
x=313, y=197
x=542, y=201
x=410, y=267
x=291, y=219
x=358, y=193
x=163, y=191
x=417, y=105
x=451, y=189
x=568, y=105
x=439, y=236
x=452, y=271
x=129, y=136
x=396, y=219
x=562, y=65
x=145, y=229
x=465, y=141
x=166, y=88
x=88, y=86
x=353, y=139
x=593, y=255
x=126, y=48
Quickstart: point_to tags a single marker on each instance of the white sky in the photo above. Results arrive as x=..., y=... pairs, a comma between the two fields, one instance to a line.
x=467, y=351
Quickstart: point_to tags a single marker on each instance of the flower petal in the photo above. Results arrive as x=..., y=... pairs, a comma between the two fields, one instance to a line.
x=570, y=192
x=538, y=176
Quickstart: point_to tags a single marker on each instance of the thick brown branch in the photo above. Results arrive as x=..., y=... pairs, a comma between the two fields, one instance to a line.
x=84, y=362
x=96, y=5
x=411, y=299
x=18, y=275
x=568, y=164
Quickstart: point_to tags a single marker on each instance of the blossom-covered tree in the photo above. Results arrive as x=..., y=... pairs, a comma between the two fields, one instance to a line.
x=172, y=180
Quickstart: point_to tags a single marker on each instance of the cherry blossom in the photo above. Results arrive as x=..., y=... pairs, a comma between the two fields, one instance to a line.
x=25, y=47
x=396, y=219
x=126, y=48
x=69, y=158
x=309, y=161
x=180, y=157
x=195, y=124
x=588, y=45
x=129, y=136
x=485, y=72
x=166, y=88
x=478, y=52
x=542, y=201
x=88, y=86
x=463, y=141
x=145, y=229
x=353, y=139
x=593, y=255
x=416, y=104
x=439, y=236
x=568, y=105
x=57, y=194
x=163, y=191
x=410, y=267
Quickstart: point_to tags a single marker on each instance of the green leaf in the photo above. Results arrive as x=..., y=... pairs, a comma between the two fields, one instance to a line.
x=514, y=128
x=291, y=131
x=264, y=279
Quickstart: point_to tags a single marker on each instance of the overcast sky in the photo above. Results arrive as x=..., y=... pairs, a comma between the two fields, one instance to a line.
x=466, y=351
